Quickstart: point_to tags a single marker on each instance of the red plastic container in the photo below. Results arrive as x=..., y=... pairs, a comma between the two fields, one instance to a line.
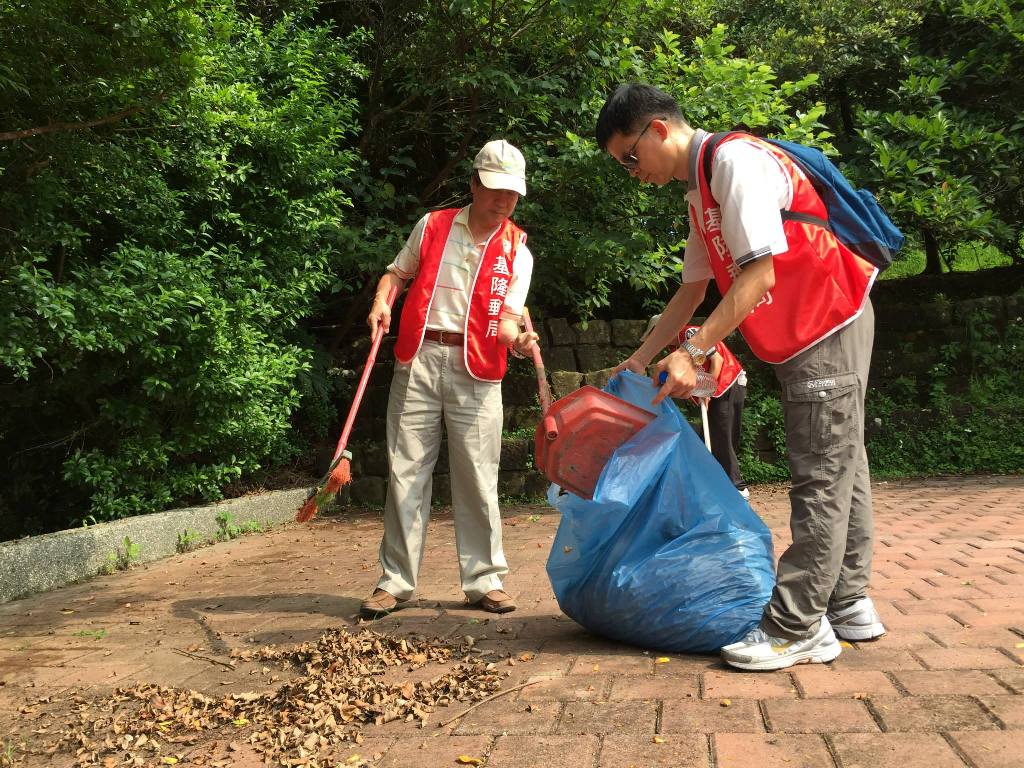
x=580, y=432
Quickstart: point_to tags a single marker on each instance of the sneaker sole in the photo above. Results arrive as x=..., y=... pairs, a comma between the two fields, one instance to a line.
x=870, y=632
x=816, y=656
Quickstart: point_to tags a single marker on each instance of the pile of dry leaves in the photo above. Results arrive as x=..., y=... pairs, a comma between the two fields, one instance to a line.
x=308, y=721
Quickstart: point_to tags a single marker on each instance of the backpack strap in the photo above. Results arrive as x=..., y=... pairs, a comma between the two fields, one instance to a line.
x=711, y=144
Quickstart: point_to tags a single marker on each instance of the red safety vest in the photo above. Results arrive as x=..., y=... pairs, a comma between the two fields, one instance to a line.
x=820, y=284
x=486, y=360
x=731, y=368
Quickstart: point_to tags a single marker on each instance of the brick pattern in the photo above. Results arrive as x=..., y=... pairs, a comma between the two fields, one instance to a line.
x=945, y=686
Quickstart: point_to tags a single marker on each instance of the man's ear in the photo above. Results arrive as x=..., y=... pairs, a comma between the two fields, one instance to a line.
x=661, y=128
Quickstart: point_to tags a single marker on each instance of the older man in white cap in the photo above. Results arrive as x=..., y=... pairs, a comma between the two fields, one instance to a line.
x=470, y=271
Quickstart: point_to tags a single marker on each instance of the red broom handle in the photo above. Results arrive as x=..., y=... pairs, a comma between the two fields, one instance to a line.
x=543, y=392
x=367, y=369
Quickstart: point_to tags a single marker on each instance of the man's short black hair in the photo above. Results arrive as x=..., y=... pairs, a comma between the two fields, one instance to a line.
x=631, y=105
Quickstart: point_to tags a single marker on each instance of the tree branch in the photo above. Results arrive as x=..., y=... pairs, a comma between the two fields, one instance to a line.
x=62, y=126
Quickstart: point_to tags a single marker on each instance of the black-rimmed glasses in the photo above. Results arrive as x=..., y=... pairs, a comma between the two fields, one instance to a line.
x=630, y=160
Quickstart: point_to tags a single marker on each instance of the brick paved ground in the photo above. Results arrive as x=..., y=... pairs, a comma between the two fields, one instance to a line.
x=943, y=688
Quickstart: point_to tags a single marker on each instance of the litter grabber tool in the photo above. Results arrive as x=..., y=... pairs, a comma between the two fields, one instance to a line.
x=704, y=421
x=340, y=472
x=543, y=390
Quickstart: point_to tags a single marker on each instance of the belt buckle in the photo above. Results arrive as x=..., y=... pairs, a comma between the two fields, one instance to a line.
x=441, y=337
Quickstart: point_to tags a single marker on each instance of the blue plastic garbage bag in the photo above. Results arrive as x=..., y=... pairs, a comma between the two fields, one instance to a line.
x=667, y=555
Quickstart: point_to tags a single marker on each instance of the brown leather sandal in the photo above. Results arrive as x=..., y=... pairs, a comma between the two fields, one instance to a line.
x=379, y=605
x=496, y=601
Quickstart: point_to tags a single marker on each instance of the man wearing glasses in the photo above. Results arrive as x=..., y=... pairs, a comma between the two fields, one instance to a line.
x=800, y=299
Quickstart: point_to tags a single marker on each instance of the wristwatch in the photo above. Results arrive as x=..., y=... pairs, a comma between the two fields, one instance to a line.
x=699, y=356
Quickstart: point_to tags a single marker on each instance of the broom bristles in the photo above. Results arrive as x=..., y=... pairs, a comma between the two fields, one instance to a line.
x=339, y=477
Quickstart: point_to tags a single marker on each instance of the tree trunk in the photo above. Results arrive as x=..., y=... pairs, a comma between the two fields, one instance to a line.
x=933, y=260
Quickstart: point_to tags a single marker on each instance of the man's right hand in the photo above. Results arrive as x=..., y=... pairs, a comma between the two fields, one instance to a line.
x=380, y=314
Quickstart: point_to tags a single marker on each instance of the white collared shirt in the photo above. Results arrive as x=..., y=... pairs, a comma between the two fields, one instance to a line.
x=459, y=262
x=751, y=187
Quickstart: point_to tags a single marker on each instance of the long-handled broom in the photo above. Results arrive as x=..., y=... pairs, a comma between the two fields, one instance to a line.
x=340, y=472
x=543, y=390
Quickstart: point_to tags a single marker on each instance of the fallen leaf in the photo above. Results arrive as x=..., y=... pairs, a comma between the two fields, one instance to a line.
x=467, y=760
x=169, y=760
x=353, y=759
x=567, y=549
x=658, y=740
x=662, y=660
x=725, y=703
x=1019, y=645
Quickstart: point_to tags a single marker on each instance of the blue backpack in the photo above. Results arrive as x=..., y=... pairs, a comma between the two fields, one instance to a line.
x=854, y=216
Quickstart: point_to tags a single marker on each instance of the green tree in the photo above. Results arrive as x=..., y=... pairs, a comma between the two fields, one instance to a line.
x=156, y=266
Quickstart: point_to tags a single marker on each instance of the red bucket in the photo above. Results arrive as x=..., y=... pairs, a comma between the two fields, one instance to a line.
x=580, y=432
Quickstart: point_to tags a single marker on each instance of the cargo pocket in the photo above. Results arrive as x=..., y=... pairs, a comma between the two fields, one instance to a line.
x=824, y=410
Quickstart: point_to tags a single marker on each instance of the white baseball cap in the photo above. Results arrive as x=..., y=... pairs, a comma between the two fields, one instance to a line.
x=501, y=166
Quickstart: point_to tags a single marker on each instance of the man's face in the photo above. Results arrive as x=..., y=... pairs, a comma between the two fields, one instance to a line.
x=641, y=154
x=496, y=204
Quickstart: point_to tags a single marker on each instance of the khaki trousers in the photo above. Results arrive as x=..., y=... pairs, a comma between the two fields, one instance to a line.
x=436, y=386
x=828, y=565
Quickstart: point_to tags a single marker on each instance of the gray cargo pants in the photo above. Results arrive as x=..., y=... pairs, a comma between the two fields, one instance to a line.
x=828, y=565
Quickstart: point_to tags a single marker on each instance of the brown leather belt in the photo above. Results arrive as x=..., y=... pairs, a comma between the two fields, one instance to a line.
x=444, y=337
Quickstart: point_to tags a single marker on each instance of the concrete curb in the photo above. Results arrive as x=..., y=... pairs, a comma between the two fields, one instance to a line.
x=40, y=563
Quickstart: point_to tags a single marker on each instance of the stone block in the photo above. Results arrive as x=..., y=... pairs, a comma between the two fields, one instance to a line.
x=520, y=416
x=561, y=332
x=560, y=359
x=519, y=387
x=535, y=485
x=565, y=382
x=516, y=453
x=368, y=490
x=373, y=459
x=593, y=332
x=511, y=483
x=595, y=358
x=627, y=333
x=598, y=378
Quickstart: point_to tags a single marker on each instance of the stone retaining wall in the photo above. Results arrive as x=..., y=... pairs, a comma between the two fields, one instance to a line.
x=908, y=337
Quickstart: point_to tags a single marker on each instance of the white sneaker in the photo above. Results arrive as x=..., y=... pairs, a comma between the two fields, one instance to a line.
x=760, y=651
x=860, y=621
x=745, y=493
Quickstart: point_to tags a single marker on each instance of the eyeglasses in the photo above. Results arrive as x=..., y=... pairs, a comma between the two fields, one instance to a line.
x=630, y=160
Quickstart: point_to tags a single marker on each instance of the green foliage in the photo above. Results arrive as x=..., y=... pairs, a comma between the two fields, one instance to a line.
x=227, y=530
x=602, y=228
x=188, y=540
x=193, y=191
x=943, y=168
x=964, y=415
x=153, y=271
x=762, y=424
x=973, y=408
x=126, y=556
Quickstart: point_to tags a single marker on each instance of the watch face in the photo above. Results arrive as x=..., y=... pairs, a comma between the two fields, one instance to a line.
x=698, y=356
